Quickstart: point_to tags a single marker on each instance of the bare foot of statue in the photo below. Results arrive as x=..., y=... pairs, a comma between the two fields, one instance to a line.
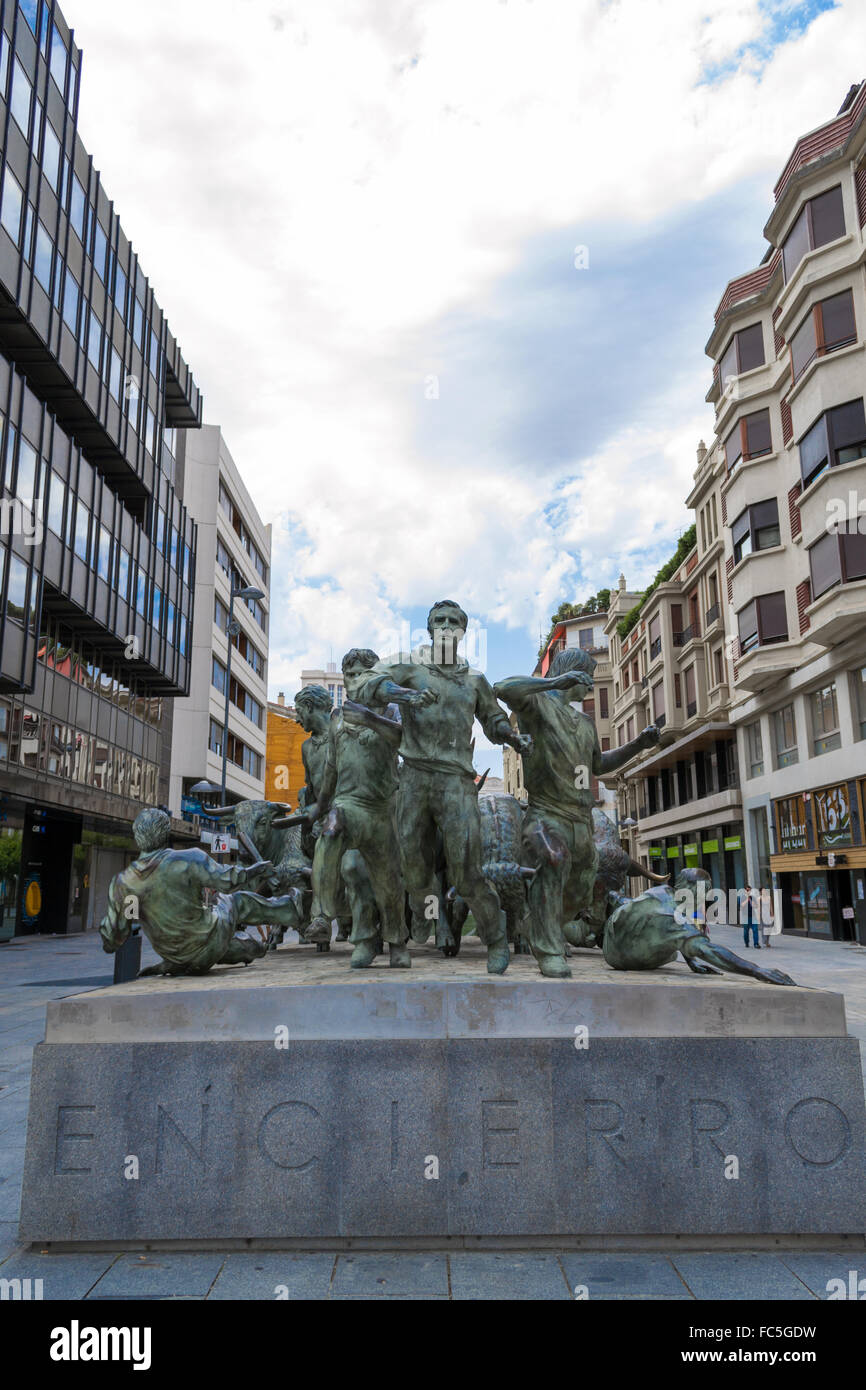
x=363, y=955
x=399, y=956
x=498, y=957
x=554, y=967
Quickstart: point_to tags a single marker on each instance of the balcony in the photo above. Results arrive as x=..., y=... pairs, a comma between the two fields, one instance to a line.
x=660, y=720
x=712, y=615
x=688, y=634
x=644, y=682
x=655, y=648
x=762, y=667
x=691, y=709
x=838, y=613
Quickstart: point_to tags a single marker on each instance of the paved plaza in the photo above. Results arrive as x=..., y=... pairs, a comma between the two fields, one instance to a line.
x=36, y=970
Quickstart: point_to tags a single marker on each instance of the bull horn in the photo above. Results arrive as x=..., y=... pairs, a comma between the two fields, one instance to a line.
x=283, y=822
x=526, y=872
x=636, y=870
x=451, y=895
x=482, y=779
x=216, y=812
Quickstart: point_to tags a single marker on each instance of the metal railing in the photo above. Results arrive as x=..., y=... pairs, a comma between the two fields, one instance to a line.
x=691, y=708
x=712, y=614
x=655, y=648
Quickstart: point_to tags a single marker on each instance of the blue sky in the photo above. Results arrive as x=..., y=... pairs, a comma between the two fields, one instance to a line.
x=361, y=220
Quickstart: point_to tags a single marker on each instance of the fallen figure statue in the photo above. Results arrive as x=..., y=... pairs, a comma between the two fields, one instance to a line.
x=646, y=932
x=163, y=891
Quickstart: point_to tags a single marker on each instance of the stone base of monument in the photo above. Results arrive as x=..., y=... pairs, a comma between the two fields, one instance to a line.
x=298, y=1103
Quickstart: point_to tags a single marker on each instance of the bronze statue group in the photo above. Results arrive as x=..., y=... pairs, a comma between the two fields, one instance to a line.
x=391, y=839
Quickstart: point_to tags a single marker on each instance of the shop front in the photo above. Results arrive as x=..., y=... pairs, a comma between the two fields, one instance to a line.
x=716, y=849
x=820, y=863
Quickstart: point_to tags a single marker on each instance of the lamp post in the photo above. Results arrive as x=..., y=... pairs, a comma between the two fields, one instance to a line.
x=243, y=591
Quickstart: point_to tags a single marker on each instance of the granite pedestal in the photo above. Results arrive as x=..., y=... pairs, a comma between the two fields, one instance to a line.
x=300, y=1103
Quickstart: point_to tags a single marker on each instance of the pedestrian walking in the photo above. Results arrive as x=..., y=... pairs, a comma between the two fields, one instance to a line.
x=749, y=916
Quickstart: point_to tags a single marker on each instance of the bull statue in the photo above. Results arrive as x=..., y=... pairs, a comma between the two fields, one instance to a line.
x=649, y=931
x=501, y=833
x=615, y=865
x=265, y=830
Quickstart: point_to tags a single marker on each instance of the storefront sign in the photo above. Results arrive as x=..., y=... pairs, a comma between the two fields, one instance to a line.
x=833, y=814
x=673, y=853
x=690, y=851
x=654, y=852
x=733, y=842
x=710, y=846
x=792, y=823
x=848, y=913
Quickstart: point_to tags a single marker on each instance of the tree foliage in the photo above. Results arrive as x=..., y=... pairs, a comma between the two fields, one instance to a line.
x=598, y=603
x=685, y=545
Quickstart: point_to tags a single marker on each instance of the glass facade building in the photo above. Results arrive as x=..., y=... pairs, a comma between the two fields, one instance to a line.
x=97, y=552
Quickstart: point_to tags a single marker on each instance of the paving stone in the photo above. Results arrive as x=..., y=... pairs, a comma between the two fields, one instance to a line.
x=8, y=1238
x=608, y=1275
x=63, y=1276
x=160, y=1275
x=754, y=1277
x=817, y=1269
x=248, y=1275
x=487, y=1275
x=391, y=1276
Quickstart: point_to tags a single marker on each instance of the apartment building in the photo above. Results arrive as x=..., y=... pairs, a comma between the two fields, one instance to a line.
x=234, y=547
x=97, y=550
x=331, y=677
x=790, y=451
x=588, y=632
x=679, y=803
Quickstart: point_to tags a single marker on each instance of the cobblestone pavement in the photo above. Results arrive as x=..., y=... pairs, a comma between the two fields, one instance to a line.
x=34, y=970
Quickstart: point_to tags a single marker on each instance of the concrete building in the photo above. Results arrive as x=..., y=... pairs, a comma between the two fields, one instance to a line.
x=97, y=550
x=234, y=552
x=790, y=455
x=331, y=678
x=284, y=768
x=670, y=670
x=588, y=632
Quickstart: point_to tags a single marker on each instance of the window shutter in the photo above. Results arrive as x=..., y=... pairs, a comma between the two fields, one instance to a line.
x=729, y=565
x=778, y=338
x=860, y=188
x=787, y=423
x=804, y=598
x=794, y=510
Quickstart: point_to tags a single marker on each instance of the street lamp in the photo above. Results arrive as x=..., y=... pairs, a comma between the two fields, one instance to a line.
x=232, y=631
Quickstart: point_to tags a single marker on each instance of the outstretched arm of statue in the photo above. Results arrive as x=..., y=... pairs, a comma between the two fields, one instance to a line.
x=494, y=721
x=610, y=761
x=517, y=691
x=388, y=692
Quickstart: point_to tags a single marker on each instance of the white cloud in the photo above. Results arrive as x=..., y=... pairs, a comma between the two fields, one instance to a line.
x=309, y=187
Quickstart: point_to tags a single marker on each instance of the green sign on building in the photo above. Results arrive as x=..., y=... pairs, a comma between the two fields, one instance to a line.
x=710, y=846
x=674, y=853
x=655, y=852
x=733, y=842
x=690, y=851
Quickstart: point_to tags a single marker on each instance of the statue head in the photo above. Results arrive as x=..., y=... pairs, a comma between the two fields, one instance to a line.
x=574, y=659
x=447, y=624
x=313, y=708
x=356, y=661
x=151, y=829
